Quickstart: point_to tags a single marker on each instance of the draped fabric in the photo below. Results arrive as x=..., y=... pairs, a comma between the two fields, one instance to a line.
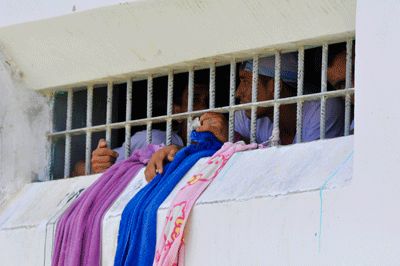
x=137, y=231
x=78, y=233
x=171, y=243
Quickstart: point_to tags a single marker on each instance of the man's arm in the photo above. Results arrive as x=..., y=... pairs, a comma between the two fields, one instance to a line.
x=213, y=122
x=158, y=159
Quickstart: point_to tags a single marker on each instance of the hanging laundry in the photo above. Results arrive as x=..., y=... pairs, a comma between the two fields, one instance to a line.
x=137, y=231
x=78, y=233
x=170, y=249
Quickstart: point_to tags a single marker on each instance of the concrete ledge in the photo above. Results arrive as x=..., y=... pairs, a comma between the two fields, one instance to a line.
x=262, y=194
x=27, y=226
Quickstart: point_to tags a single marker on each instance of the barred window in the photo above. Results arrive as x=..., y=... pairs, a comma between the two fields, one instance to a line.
x=119, y=109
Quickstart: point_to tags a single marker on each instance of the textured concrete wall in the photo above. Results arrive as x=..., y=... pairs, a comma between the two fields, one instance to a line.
x=24, y=120
x=254, y=211
x=151, y=37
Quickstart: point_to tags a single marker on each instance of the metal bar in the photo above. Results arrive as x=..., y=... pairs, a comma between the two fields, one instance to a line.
x=277, y=91
x=109, y=113
x=89, y=110
x=226, y=109
x=349, y=63
x=349, y=75
x=254, y=94
x=212, y=86
x=68, y=136
x=190, y=105
x=300, y=83
x=347, y=115
x=169, y=106
x=232, y=96
x=149, y=127
x=128, y=117
x=324, y=79
x=52, y=128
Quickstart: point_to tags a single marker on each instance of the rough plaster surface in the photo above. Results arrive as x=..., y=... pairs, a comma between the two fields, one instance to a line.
x=280, y=203
x=24, y=120
x=141, y=38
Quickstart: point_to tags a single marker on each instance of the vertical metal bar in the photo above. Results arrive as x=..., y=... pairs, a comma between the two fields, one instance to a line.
x=349, y=75
x=190, y=104
x=347, y=114
x=277, y=91
x=109, y=113
x=128, y=117
x=323, y=89
x=254, y=94
x=232, y=101
x=300, y=82
x=212, y=86
x=52, y=128
x=149, y=108
x=89, y=110
x=349, y=63
x=169, y=106
x=68, y=136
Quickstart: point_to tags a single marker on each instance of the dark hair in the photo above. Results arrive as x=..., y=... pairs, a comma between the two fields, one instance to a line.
x=334, y=50
x=179, y=90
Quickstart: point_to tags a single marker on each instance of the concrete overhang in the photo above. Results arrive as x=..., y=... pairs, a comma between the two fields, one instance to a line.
x=136, y=39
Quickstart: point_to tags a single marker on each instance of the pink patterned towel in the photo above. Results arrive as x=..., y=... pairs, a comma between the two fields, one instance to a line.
x=170, y=250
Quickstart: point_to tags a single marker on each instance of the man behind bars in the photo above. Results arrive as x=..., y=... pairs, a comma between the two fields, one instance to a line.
x=103, y=158
x=337, y=70
x=217, y=124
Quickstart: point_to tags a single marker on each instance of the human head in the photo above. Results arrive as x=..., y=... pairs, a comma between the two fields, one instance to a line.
x=200, y=99
x=337, y=67
x=266, y=80
x=200, y=102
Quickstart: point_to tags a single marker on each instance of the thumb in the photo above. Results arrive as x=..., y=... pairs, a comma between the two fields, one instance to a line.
x=102, y=144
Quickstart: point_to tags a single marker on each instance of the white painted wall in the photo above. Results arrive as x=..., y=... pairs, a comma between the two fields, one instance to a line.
x=24, y=120
x=360, y=224
x=152, y=37
x=28, y=225
x=20, y=11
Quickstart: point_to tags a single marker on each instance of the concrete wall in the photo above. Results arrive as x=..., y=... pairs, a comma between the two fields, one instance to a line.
x=253, y=212
x=280, y=222
x=24, y=120
x=120, y=42
x=20, y=11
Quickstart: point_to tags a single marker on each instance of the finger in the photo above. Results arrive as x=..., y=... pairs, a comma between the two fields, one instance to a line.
x=206, y=116
x=172, y=154
x=211, y=115
x=101, y=167
x=102, y=159
x=150, y=172
x=102, y=144
x=159, y=164
x=104, y=152
x=218, y=131
x=205, y=127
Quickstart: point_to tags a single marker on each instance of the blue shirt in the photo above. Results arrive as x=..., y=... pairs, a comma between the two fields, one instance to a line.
x=334, y=122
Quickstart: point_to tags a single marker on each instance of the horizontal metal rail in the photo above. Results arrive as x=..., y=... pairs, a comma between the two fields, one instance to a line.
x=227, y=109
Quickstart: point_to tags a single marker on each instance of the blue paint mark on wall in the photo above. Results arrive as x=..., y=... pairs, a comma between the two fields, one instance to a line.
x=320, y=196
x=233, y=162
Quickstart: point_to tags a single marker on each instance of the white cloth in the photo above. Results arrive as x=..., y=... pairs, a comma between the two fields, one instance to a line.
x=266, y=67
x=138, y=141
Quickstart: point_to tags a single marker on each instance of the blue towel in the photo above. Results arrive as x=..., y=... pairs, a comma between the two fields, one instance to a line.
x=137, y=230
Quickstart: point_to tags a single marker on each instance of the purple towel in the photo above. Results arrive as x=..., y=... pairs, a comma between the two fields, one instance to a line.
x=78, y=233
